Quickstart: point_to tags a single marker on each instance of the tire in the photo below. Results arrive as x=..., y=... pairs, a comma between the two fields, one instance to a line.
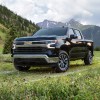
x=22, y=68
x=63, y=63
x=88, y=59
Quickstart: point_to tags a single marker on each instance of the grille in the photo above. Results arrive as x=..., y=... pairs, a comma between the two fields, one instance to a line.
x=38, y=42
x=30, y=50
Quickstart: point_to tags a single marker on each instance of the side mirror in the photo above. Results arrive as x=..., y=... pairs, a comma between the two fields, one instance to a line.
x=73, y=36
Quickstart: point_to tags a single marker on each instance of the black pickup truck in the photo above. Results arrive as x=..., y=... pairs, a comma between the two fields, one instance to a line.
x=57, y=45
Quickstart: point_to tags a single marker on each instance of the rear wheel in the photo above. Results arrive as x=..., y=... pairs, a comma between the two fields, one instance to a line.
x=22, y=68
x=89, y=58
x=63, y=62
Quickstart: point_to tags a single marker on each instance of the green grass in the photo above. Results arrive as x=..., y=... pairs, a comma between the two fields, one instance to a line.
x=80, y=82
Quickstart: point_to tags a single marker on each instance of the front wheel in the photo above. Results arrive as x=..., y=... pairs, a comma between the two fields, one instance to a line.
x=22, y=68
x=89, y=58
x=63, y=62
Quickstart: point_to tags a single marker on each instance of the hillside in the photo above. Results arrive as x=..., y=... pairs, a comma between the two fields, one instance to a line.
x=9, y=20
x=94, y=34
x=89, y=31
x=3, y=30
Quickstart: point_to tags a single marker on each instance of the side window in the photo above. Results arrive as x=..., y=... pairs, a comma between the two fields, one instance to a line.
x=78, y=34
x=70, y=32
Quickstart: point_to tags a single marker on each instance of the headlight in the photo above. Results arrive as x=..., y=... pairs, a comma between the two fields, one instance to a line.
x=51, y=44
x=89, y=44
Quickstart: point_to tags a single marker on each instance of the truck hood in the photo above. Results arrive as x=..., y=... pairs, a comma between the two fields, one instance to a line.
x=35, y=38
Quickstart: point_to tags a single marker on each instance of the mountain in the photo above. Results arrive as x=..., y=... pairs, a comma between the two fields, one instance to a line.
x=47, y=23
x=93, y=33
x=89, y=31
x=74, y=23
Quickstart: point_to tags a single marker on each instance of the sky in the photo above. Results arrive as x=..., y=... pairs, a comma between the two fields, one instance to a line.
x=84, y=11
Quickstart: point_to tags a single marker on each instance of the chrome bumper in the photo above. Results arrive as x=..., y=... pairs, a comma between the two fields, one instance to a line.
x=37, y=56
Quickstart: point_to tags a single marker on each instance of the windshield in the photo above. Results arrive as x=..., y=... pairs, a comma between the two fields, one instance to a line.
x=59, y=31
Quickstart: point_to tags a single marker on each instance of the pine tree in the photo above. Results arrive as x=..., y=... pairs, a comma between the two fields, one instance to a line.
x=11, y=35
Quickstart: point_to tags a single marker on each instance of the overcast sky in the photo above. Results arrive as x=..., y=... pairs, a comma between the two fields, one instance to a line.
x=84, y=11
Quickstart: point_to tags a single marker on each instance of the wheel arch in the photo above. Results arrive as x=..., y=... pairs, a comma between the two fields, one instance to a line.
x=91, y=49
x=65, y=48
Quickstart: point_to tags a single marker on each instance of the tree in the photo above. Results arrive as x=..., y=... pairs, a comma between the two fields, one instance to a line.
x=11, y=35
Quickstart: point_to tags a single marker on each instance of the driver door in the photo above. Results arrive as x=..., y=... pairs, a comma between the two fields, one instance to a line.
x=75, y=48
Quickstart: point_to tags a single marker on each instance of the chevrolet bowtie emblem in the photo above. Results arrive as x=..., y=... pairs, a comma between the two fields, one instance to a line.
x=28, y=43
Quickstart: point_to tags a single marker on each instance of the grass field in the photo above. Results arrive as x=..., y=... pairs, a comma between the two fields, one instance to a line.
x=80, y=82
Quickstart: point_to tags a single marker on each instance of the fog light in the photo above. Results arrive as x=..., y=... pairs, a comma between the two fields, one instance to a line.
x=67, y=43
x=49, y=52
x=14, y=46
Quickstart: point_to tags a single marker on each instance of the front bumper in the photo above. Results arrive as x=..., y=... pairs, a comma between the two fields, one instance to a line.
x=34, y=58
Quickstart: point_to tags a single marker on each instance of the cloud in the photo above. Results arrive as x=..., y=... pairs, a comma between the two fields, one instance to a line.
x=85, y=11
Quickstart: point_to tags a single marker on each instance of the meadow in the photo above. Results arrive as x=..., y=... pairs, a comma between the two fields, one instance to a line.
x=79, y=82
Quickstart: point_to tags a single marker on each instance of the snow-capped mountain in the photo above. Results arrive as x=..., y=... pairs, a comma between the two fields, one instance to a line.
x=48, y=23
